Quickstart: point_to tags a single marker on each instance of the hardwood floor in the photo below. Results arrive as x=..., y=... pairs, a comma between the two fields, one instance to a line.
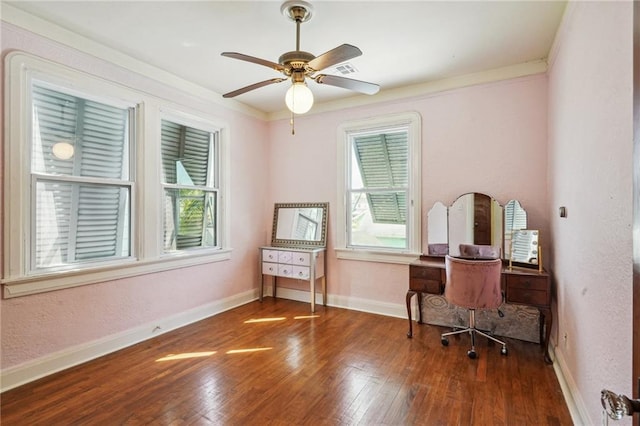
x=340, y=367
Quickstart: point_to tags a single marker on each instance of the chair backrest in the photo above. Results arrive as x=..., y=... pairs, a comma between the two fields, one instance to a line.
x=480, y=251
x=473, y=283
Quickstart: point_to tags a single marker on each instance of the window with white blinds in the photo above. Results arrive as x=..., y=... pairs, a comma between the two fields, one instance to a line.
x=80, y=168
x=379, y=173
x=189, y=166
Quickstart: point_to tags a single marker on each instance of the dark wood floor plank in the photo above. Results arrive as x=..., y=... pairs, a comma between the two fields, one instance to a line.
x=338, y=367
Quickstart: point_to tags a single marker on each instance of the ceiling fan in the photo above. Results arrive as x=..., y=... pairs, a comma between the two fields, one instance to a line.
x=299, y=65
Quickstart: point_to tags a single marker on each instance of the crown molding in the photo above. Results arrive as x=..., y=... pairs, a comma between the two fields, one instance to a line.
x=56, y=33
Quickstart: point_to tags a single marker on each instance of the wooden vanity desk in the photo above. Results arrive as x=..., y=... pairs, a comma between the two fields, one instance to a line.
x=520, y=285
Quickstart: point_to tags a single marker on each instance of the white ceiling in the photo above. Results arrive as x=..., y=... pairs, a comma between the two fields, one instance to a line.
x=404, y=43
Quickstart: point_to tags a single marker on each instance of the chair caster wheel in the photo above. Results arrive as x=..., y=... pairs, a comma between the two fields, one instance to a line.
x=444, y=341
x=471, y=354
x=504, y=351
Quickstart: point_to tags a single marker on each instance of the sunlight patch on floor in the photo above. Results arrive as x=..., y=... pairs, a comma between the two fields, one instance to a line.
x=186, y=355
x=243, y=351
x=306, y=316
x=256, y=320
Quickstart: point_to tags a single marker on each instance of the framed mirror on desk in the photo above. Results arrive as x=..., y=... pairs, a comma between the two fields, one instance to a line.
x=298, y=247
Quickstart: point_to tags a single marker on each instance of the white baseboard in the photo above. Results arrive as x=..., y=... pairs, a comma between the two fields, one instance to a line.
x=577, y=408
x=30, y=371
x=355, y=304
x=33, y=370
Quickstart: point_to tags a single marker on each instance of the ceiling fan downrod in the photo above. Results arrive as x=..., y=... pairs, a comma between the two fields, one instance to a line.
x=299, y=12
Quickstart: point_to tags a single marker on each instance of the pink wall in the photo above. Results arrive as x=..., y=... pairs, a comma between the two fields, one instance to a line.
x=590, y=172
x=39, y=325
x=488, y=138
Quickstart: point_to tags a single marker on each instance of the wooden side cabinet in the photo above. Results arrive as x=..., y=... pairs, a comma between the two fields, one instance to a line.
x=297, y=263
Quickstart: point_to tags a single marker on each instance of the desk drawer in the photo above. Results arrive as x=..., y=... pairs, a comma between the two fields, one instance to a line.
x=529, y=290
x=299, y=258
x=269, y=268
x=527, y=297
x=301, y=272
x=435, y=274
x=425, y=286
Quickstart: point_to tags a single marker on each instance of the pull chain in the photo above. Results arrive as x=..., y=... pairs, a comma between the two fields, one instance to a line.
x=292, y=123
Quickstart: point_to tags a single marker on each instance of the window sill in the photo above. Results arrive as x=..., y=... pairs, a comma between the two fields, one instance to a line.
x=404, y=258
x=24, y=286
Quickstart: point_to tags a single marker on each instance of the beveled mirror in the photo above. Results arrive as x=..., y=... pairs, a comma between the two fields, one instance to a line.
x=300, y=225
x=437, y=230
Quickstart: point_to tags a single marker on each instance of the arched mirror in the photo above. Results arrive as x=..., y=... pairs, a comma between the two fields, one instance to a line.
x=300, y=225
x=474, y=218
x=437, y=230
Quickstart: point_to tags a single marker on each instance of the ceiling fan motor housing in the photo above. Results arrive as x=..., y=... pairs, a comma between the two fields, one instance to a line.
x=295, y=61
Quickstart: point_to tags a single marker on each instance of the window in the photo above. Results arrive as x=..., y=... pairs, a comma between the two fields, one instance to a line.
x=80, y=172
x=190, y=181
x=379, y=166
x=104, y=182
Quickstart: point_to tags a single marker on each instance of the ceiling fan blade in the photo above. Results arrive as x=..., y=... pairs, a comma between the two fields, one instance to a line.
x=348, y=83
x=334, y=56
x=252, y=59
x=252, y=87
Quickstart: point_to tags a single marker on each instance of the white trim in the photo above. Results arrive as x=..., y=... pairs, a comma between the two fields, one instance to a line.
x=33, y=370
x=425, y=89
x=414, y=219
x=345, y=302
x=575, y=404
x=404, y=258
x=61, y=35
x=147, y=256
x=561, y=34
x=23, y=286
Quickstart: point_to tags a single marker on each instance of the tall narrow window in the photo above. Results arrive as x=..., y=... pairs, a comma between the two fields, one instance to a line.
x=379, y=178
x=378, y=187
x=190, y=181
x=80, y=171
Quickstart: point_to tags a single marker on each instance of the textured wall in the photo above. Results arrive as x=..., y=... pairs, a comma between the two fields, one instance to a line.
x=488, y=138
x=590, y=172
x=44, y=324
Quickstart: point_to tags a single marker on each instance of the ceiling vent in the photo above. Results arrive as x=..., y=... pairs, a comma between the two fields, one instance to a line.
x=345, y=69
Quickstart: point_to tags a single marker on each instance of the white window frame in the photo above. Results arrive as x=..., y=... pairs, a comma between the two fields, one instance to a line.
x=189, y=120
x=414, y=244
x=146, y=220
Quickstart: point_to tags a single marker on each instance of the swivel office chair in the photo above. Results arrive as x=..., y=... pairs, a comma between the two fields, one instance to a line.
x=473, y=284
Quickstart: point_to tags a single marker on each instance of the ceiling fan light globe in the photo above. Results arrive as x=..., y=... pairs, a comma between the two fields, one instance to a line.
x=299, y=98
